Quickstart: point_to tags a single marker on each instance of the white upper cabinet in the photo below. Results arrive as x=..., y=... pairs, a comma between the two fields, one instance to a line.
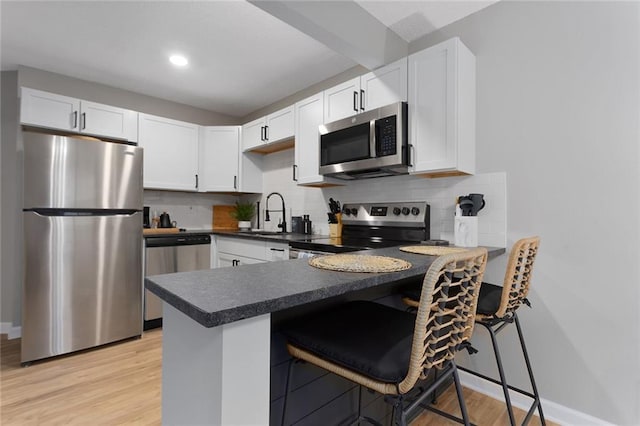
x=170, y=153
x=273, y=128
x=442, y=98
x=253, y=134
x=218, y=159
x=44, y=109
x=342, y=100
x=309, y=114
x=384, y=86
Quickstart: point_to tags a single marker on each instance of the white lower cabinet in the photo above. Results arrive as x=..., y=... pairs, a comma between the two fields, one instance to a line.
x=230, y=251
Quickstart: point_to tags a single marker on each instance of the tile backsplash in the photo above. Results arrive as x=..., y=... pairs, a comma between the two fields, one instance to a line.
x=190, y=210
x=194, y=210
x=439, y=193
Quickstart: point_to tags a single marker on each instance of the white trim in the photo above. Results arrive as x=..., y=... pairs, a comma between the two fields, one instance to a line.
x=552, y=411
x=11, y=331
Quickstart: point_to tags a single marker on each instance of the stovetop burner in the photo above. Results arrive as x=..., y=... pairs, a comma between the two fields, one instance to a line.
x=375, y=225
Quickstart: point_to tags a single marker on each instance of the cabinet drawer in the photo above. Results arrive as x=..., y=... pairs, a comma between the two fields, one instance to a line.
x=246, y=248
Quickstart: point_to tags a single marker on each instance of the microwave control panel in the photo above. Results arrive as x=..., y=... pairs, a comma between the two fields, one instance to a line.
x=386, y=136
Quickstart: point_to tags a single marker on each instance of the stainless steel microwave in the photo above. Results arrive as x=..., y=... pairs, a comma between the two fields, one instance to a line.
x=370, y=144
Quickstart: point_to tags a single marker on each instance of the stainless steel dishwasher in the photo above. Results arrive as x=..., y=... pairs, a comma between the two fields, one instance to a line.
x=172, y=253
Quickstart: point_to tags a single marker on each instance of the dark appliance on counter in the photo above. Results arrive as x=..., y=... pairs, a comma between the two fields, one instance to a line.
x=373, y=225
x=146, y=222
x=370, y=144
x=83, y=244
x=166, y=254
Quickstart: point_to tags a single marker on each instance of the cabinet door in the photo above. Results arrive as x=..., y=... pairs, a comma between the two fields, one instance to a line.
x=385, y=85
x=170, y=153
x=308, y=116
x=105, y=120
x=253, y=134
x=218, y=158
x=280, y=125
x=231, y=259
x=442, y=109
x=275, y=251
x=49, y=110
x=342, y=100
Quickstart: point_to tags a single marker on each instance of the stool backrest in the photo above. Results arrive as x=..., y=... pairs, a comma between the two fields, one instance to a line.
x=517, y=278
x=446, y=313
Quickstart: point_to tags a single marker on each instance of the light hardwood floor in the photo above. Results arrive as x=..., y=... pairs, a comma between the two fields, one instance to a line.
x=121, y=384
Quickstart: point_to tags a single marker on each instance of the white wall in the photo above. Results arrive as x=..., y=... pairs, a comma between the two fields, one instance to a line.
x=558, y=109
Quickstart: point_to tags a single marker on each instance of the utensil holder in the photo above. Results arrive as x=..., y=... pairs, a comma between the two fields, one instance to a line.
x=335, y=230
x=465, y=231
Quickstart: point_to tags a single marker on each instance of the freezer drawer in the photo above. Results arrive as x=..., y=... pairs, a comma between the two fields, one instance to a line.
x=83, y=282
x=70, y=173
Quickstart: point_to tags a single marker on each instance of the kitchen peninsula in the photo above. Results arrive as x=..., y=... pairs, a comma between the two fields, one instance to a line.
x=217, y=330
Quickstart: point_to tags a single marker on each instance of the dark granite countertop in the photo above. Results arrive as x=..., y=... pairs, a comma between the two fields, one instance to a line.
x=265, y=236
x=219, y=296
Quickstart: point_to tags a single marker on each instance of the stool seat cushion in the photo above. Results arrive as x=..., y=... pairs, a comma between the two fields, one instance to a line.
x=369, y=338
x=489, y=299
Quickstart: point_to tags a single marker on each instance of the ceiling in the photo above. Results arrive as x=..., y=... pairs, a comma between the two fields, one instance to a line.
x=240, y=57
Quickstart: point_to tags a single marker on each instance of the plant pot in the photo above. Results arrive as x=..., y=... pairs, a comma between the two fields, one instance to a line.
x=244, y=224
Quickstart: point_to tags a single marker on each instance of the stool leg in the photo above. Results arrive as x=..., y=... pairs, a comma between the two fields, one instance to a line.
x=503, y=379
x=463, y=406
x=529, y=369
x=286, y=391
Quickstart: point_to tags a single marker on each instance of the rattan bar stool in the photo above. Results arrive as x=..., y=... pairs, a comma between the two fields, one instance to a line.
x=388, y=350
x=497, y=308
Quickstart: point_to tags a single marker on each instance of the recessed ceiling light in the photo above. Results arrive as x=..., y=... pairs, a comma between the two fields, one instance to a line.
x=178, y=60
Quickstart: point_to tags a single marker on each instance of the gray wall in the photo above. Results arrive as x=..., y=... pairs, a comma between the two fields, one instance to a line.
x=558, y=109
x=11, y=196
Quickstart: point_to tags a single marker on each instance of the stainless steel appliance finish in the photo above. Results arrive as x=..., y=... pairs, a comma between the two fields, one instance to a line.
x=83, y=244
x=373, y=225
x=367, y=145
x=168, y=254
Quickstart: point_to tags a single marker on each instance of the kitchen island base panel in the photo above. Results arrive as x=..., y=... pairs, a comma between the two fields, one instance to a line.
x=196, y=389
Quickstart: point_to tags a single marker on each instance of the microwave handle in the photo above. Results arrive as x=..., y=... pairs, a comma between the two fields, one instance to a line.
x=372, y=138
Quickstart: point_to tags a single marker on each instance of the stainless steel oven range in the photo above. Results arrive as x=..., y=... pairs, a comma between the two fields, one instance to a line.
x=373, y=225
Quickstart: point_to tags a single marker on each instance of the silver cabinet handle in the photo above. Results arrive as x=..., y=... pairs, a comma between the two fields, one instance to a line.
x=410, y=155
x=83, y=120
x=75, y=119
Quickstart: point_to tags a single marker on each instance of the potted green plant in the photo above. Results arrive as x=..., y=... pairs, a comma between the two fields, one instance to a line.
x=244, y=212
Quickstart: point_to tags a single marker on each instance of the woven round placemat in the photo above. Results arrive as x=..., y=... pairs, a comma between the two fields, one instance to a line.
x=432, y=250
x=359, y=263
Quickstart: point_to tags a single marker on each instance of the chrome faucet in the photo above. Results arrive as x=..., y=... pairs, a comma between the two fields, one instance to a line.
x=282, y=225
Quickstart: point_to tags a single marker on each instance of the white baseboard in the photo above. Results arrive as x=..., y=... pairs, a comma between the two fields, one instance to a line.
x=552, y=411
x=11, y=331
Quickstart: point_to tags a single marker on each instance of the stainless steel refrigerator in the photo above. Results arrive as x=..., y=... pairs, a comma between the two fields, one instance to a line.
x=83, y=244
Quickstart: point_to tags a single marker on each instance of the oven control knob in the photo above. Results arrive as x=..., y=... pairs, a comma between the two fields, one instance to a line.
x=405, y=211
x=415, y=211
x=354, y=211
x=396, y=211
